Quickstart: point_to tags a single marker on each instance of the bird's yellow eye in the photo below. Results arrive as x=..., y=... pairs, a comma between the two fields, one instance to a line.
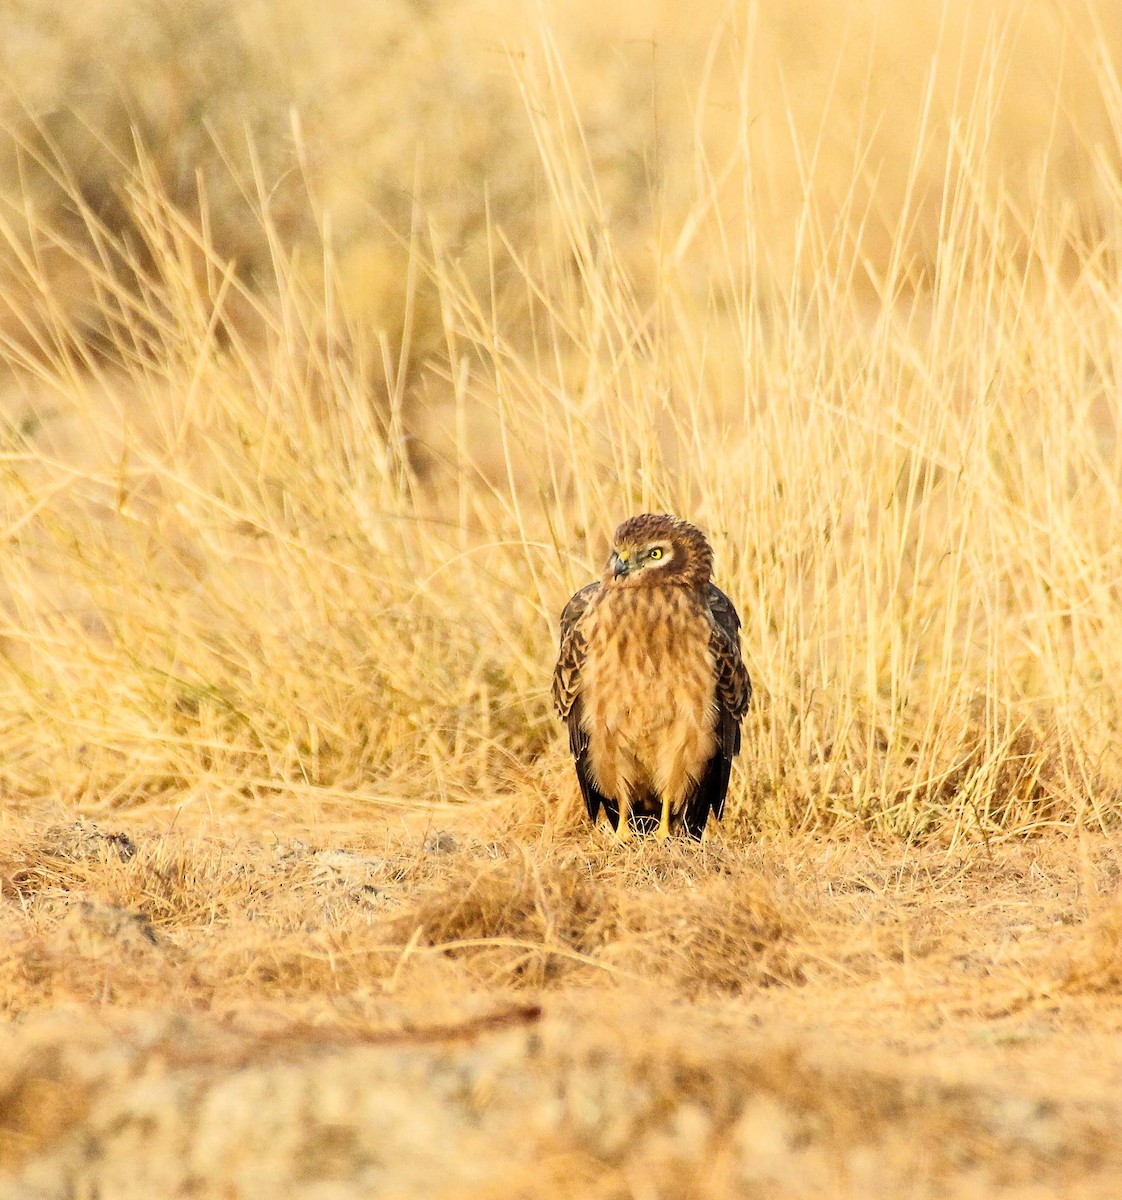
x=656, y=553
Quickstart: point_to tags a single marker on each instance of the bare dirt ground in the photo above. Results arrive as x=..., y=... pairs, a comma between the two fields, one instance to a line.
x=403, y=1012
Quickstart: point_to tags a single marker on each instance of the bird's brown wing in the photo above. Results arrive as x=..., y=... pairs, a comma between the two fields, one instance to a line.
x=566, y=692
x=734, y=690
x=570, y=658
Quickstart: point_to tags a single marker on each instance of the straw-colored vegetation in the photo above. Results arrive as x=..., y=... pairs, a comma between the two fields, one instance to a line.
x=334, y=340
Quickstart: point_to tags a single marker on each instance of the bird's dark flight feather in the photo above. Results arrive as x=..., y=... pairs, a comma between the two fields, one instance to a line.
x=566, y=699
x=734, y=690
x=578, y=744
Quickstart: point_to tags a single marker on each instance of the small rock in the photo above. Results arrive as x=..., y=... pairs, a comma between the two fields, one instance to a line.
x=96, y=927
x=441, y=842
x=345, y=867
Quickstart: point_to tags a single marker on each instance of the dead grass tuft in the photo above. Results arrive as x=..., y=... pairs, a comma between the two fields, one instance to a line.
x=722, y=938
x=529, y=920
x=1093, y=963
x=173, y=880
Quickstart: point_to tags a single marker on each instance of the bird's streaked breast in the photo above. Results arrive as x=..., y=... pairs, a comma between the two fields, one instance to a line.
x=649, y=704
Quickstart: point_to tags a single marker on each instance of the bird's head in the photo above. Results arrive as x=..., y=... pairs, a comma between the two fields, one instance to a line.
x=654, y=549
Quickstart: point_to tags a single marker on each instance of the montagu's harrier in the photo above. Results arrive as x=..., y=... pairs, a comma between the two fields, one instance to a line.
x=651, y=683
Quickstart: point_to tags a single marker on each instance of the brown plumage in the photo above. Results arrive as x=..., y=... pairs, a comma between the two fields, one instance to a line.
x=650, y=681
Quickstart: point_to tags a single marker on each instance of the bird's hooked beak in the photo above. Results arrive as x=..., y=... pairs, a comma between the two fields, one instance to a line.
x=621, y=564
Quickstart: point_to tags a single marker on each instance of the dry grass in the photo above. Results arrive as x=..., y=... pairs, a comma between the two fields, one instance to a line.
x=440, y=1014
x=327, y=364
x=297, y=919
x=274, y=553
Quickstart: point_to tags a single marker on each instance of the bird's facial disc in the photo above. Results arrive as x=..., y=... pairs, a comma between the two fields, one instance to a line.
x=627, y=560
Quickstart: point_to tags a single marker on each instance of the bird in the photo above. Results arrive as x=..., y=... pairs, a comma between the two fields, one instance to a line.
x=651, y=683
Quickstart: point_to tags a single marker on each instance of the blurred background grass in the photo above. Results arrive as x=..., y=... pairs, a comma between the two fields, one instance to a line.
x=335, y=341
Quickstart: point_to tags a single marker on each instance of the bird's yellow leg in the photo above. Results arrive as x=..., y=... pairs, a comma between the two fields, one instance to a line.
x=623, y=829
x=664, y=820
